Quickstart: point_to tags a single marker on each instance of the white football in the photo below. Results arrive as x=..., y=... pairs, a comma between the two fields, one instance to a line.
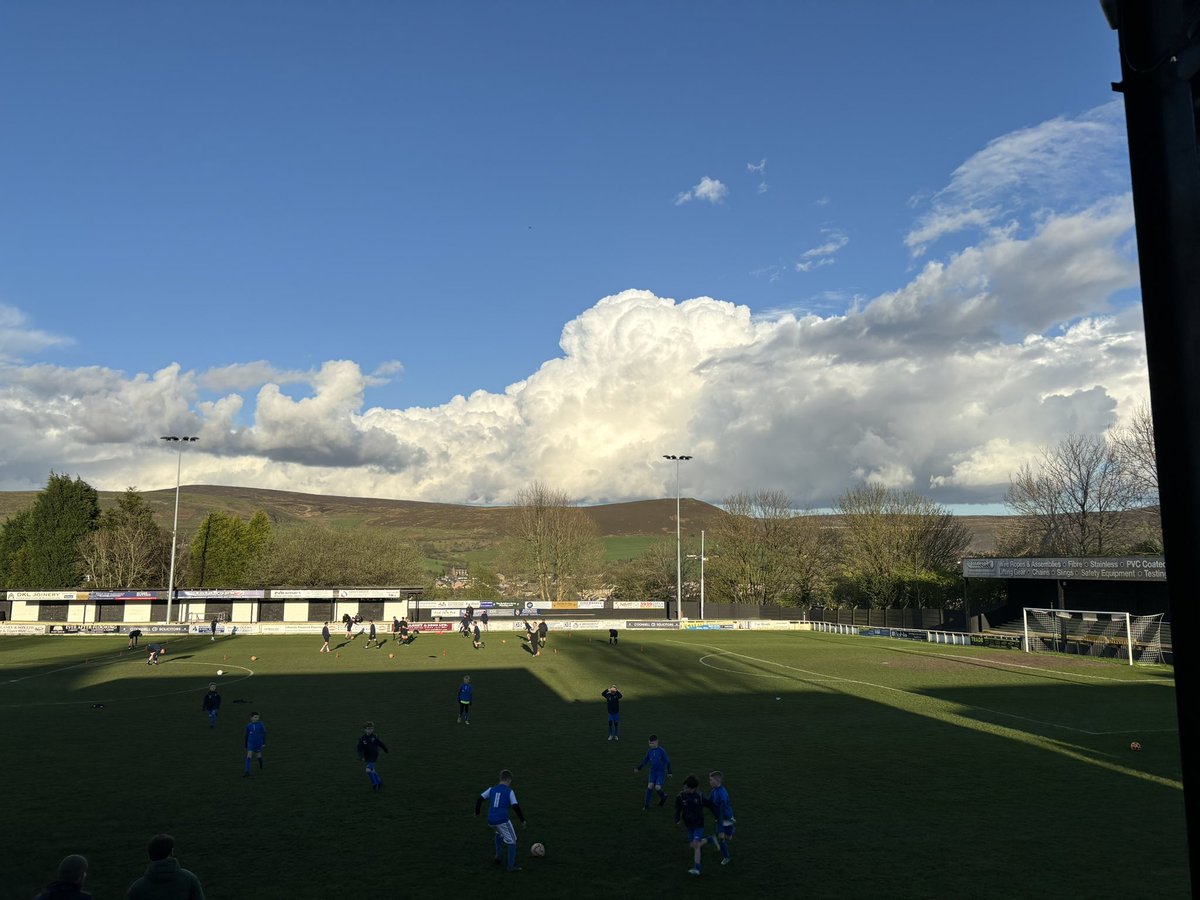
x=220, y=671
x=538, y=849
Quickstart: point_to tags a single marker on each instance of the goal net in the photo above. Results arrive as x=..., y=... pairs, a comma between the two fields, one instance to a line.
x=1116, y=635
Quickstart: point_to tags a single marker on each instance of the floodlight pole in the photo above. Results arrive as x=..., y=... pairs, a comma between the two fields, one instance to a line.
x=678, y=540
x=180, y=440
x=702, y=559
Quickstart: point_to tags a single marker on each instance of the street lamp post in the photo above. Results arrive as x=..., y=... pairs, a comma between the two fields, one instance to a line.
x=702, y=559
x=180, y=440
x=678, y=544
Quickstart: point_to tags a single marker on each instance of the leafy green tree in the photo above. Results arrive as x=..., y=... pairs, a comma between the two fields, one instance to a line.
x=14, y=549
x=226, y=550
x=312, y=555
x=129, y=549
x=65, y=511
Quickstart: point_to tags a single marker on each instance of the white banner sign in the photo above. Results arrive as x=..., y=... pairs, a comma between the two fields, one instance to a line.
x=369, y=593
x=44, y=596
x=21, y=628
x=638, y=604
x=301, y=594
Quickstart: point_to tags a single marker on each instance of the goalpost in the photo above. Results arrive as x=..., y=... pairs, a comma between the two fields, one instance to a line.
x=1119, y=635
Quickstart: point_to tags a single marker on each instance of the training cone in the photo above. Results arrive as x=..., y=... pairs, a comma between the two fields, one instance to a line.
x=338, y=656
x=443, y=653
x=225, y=657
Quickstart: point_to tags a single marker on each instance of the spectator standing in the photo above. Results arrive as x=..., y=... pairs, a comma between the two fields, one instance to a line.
x=69, y=885
x=164, y=877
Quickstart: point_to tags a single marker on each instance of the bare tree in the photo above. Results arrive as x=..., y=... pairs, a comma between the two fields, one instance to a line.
x=128, y=550
x=554, y=541
x=1135, y=448
x=898, y=545
x=1075, y=500
x=764, y=552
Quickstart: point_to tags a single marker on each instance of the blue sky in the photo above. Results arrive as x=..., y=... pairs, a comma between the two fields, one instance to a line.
x=365, y=248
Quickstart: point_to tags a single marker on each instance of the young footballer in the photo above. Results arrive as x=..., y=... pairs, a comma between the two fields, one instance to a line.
x=325, y=638
x=156, y=650
x=371, y=637
x=212, y=704
x=689, y=809
x=500, y=799
x=369, y=746
x=464, y=700
x=613, y=698
x=718, y=802
x=256, y=740
x=660, y=766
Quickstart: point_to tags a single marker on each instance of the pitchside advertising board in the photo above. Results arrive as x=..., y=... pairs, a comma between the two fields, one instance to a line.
x=1115, y=568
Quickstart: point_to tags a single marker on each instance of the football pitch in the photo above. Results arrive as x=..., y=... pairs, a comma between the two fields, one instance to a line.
x=857, y=767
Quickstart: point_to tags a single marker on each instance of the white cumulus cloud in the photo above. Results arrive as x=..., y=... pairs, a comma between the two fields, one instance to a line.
x=708, y=189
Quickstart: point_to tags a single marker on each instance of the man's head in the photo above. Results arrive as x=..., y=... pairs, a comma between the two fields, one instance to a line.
x=505, y=776
x=73, y=869
x=160, y=847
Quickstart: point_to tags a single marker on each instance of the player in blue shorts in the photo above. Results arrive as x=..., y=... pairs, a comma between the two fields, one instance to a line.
x=256, y=740
x=718, y=802
x=613, y=697
x=368, y=749
x=500, y=799
x=465, y=692
x=689, y=809
x=660, y=767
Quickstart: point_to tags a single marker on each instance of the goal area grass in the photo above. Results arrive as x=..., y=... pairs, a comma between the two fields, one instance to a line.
x=856, y=766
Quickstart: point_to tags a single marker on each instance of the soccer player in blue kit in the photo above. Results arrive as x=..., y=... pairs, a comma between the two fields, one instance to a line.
x=660, y=766
x=613, y=697
x=368, y=749
x=500, y=799
x=464, y=700
x=718, y=802
x=256, y=740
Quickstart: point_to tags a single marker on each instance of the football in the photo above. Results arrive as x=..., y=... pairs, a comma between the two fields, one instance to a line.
x=1136, y=745
x=538, y=849
x=220, y=671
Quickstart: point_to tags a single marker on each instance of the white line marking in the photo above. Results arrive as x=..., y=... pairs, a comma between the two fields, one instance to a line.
x=825, y=676
x=172, y=662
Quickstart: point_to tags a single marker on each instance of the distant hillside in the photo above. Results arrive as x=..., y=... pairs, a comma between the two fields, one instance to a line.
x=443, y=524
x=424, y=521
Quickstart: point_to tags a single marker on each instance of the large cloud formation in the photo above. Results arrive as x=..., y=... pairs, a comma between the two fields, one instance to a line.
x=943, y=386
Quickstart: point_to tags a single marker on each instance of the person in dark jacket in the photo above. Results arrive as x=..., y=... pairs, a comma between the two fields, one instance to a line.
x=325, y=638
x=212, y=704
x=164, y=877
x=69, y=886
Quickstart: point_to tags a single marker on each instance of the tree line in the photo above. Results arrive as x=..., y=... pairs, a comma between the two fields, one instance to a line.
x=1089, y=495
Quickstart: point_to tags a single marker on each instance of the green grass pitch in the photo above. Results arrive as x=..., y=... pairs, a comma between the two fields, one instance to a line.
x=857, y=767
